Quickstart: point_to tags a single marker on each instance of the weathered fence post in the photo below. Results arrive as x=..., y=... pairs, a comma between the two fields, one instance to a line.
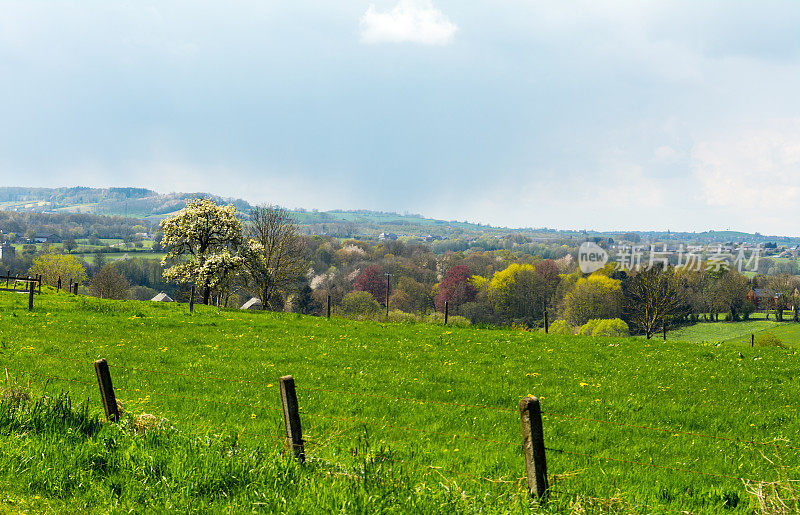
x=446, y=311
x=76, y=287
x=533, y=447
x=106, y=390
x=664, y=328
x=546, y=323
x=291, y=418
x=58, y=287
x=329, y=306
x=752, y=339
x=191, y=300
x=30, y=294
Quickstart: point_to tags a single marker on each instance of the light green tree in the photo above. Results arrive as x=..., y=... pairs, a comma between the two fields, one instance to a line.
x=201, y=243
x=52, y=266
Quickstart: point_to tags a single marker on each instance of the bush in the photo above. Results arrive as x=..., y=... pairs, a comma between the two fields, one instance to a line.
x=438, y=318
x=611, y=327
x=604, y=327
x=359, y=304
x=560, y=327
x=587, y=329
x=397, y=315
x=769, y=340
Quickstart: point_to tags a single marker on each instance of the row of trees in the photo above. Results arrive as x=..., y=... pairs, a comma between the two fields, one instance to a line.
x=224, y=256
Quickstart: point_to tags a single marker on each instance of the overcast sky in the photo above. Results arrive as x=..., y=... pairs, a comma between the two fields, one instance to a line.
x=605, y=115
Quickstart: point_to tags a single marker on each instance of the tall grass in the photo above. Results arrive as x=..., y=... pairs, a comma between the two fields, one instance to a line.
x=368, y=436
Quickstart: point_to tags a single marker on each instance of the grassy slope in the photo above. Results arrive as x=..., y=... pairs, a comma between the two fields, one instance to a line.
x=687, y=387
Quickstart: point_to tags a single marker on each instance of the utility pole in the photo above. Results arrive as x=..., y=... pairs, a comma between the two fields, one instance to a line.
x=388, y=286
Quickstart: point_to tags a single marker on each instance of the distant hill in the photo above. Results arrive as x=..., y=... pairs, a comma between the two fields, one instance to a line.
x=133, y=202
x=151, y=205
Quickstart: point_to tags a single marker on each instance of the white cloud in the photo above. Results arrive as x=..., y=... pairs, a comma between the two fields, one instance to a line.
x=410, y=21
x=752, y=170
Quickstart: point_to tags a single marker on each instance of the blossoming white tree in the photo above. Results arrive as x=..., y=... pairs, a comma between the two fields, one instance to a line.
x=201, y=242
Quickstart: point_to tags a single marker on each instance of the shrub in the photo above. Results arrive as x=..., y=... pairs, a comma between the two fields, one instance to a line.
x=611, y=327
x=769, y=340
x=359, y=304
x=438, y=318
x=560, y=327
x=587, y=329
x=397, y=315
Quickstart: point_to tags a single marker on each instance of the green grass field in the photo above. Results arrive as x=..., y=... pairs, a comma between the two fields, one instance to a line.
x=398, y=417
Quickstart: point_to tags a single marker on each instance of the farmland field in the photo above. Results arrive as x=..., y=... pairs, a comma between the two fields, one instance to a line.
x=398, y=417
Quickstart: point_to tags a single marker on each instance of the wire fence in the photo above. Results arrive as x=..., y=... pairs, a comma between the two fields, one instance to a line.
x=325, y=440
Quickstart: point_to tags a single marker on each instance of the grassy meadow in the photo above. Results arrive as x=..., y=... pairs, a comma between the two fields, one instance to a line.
x=398, y=417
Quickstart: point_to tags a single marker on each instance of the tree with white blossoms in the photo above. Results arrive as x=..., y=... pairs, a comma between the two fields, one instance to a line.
x=201, y=243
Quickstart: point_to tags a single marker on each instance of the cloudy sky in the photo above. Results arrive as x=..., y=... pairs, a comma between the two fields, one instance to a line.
x=605, y=115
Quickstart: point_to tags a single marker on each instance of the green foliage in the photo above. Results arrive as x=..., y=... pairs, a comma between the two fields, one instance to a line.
x=769, y=340
x=359, y=304
x=560, y=327
x=597, y=296
x=587, y=329
x=613, y=327
x=52, y=266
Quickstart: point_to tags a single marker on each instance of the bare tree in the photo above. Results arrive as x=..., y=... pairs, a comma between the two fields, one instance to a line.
x=652, y=298
x=275, y=259
x=108, y=283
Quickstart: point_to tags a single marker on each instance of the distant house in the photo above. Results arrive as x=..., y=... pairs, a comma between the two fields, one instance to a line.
x=46, y=238
x=762, y=297
x=390, y=236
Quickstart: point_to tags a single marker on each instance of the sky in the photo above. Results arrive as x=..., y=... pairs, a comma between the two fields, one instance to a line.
x=613, y=115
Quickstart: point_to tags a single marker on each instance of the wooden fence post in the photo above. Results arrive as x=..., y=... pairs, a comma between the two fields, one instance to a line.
x=76, y=287
x=58, y=287
x=291, y=418
x=664, y=328
x=106, y=390
x=30, y=294
x=446, y=311
x=752, y=339
x=191, y=300
x=329, y=306
x=533, y=447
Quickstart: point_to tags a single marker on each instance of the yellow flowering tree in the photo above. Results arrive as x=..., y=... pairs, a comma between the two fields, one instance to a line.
x=51, y=266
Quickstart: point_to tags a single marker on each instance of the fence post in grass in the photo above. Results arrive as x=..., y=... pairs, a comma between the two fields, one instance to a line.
x=752, y=339
x=546, y=323
x=329, y=306
x=30, y=294
x=533, y=447
x=291, y=418
x=76, y=287
x=446, y=311
x=106, y=390
x=58, y=287
x=664, y=327
x=191, y=300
